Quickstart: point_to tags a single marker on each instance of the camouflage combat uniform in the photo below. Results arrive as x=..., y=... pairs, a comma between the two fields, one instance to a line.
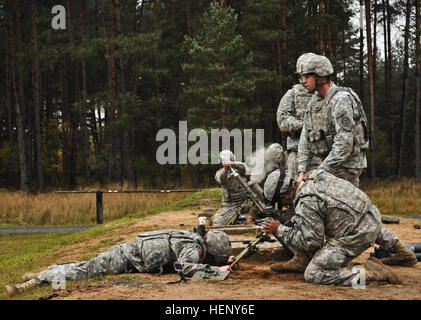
x=151, y=252
x=233, y=195
x=289, y=116
x=334, y=222
x=334, y=135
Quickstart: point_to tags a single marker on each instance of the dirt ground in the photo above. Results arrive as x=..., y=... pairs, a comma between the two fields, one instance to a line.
x=253, y=281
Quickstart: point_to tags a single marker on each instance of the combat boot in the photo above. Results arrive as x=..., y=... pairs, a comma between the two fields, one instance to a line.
x=377, y=271
x=28, y=276
x=403, y=257
x=297, y=264
x=12, y=290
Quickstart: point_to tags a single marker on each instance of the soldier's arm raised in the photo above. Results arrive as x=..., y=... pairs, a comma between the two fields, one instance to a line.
x=240, y=166
x=221, y=176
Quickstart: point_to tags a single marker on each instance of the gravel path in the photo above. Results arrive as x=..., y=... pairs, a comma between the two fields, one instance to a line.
x=43, y=229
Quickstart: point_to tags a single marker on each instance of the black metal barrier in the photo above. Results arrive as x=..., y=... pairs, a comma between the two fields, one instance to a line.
x=99, y=203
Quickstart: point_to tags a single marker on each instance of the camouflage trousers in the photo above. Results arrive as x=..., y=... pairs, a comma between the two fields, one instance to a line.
x=110, y=262
x=226, y=214
x=292, y=163
x=329, y=265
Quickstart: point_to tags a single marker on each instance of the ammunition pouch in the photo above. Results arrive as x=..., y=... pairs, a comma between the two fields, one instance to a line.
x=320, y=143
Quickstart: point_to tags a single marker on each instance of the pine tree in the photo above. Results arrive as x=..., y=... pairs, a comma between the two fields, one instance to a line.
x=221, y=69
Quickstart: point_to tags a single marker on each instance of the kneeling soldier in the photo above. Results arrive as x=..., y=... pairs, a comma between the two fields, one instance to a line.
x=332, y=209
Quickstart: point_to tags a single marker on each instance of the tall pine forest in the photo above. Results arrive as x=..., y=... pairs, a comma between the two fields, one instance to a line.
x=80, y=106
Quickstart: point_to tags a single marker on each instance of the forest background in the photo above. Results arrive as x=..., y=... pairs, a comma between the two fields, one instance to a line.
x=81, y=106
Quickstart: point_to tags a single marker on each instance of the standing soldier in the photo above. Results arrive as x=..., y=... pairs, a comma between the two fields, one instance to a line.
x=335, y=132
x=290, y=115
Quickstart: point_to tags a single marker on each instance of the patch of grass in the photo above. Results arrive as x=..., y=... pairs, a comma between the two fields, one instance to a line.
x=396, y=197
x=20, y=253
x=33, y=251
x=74, y=209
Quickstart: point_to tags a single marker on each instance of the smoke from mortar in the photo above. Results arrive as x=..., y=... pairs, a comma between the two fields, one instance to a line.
x=269, y=166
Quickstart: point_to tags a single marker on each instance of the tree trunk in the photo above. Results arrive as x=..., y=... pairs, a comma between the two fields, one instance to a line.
x=188, y=23
x=25, y=109
x=375, y=47
x=344, y=57
x=402, y=118
x=283, y=39
x=361, y=52
x=316, y=33
x=322, y=42
x=85, y=133
x=389, y=85
x=36, y=79
x=418, y=97
x=330, y=43
x=9, y=92
x=371, y=90
x=20, y=127
x=386, y=58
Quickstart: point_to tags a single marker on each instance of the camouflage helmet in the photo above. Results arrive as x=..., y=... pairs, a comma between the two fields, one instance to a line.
x=226, y=155
x=219, y=246
x=276, y=184
x=317, y=64
x=301, y=59
x=276, y=153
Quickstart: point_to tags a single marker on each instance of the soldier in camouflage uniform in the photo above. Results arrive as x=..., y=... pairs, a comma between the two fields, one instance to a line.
x=275, y=158
x=290, y=115
x=335, y=131
x=151, y=252
x=334, y=222
x=234, y=197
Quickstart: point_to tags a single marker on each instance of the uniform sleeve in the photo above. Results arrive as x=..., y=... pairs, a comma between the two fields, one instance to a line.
x=304, y=152
x=307, y=231
x=285, y=114
x=343, y=143
x=241, y=167
x=189, y=259
x=221, y=176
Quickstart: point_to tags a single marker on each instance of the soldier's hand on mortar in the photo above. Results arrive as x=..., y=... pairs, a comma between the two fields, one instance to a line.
x=271, y=226
x=225, y=268
x=231, y=259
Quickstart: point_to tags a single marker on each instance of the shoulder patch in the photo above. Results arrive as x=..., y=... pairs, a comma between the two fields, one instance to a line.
x=344, y=116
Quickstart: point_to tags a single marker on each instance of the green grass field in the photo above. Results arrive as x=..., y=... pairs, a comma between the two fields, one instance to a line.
x=20, y=253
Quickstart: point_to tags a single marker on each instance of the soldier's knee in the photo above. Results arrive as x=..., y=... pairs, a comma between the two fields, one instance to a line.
x=312, y=273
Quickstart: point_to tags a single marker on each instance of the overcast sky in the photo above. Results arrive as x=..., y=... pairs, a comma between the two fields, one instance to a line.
x=396, y=28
